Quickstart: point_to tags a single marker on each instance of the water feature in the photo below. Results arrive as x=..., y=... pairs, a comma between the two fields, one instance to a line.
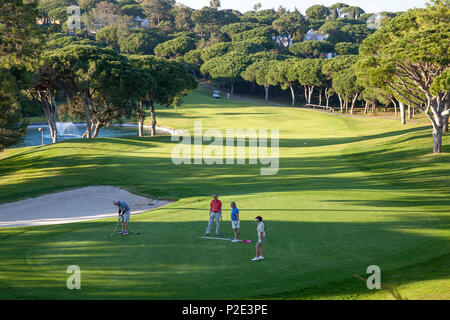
x=68, y=130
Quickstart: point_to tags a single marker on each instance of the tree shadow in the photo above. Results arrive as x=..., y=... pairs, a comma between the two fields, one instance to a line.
x=319, y=142
x=154, y=173
x=169, y=260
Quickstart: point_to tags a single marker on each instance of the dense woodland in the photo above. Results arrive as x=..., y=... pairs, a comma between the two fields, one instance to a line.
x=125, y=56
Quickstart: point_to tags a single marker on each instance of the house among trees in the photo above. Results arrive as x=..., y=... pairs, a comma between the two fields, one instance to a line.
x=44, y=21
x=314, y=35
x=140, y=22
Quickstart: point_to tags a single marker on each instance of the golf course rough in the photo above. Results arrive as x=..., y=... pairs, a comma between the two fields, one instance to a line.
x=350, y=192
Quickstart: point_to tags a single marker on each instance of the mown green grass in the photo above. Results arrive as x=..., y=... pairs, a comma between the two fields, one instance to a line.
x=349, y=193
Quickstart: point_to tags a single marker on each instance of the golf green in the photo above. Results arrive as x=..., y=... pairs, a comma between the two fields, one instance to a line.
x=350, y=193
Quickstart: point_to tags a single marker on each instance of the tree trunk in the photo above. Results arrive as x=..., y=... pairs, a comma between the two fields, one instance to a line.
x=374, y=107
x=353, y=102
x=53, y=111
x=141, y=116
x=51, y=123
x=340, y=102
x=320, y=96
x=445, y=126
x=231, y=88
x=327, y=98
x=49, y=115
x=410, y=112
x=437, y=139
x=88, y=133
x=395, y=107
x=366, y=108
x=266, y=88
x=292, y=94
x=446, y=108
x=306, y=95
x=402, y=113
x=439, y=112
x=153, y=115
x=310, y=92
x=54, y=132
x=97, y=128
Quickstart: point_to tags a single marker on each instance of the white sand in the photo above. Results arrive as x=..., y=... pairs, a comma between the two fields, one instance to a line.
x=72, y=206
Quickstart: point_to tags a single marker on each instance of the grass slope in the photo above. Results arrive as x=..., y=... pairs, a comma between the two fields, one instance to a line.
x=349, y=193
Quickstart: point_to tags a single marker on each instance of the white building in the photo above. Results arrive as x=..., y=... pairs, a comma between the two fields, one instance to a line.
x=314, y=35
x=140, y=22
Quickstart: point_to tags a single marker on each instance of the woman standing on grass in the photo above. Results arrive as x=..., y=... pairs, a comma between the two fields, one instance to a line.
x=235, y=224
x=260, y=243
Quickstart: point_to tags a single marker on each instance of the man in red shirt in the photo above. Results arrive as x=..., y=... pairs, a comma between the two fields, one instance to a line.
x=215, y=212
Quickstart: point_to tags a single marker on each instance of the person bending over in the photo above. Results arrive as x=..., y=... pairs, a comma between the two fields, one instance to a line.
x=124, y=215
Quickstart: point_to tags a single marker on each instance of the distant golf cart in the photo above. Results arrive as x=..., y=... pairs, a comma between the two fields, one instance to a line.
x=216, y=94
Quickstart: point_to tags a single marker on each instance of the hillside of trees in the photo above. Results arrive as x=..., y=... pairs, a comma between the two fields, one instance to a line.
x=338, y=56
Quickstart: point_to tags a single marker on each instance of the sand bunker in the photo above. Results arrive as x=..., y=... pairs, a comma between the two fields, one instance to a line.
x=72, y=206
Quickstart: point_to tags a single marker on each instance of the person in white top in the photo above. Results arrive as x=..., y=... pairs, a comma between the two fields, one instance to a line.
x=260, y=243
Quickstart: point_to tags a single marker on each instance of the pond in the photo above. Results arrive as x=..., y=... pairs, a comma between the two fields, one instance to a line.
x=70, y=130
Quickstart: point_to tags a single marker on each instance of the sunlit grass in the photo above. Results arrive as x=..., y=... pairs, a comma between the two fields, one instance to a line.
x=349, y=193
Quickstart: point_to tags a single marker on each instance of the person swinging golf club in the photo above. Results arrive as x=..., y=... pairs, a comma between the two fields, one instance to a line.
x=124, y=215
x=215, y=213
x=235, y=222
x=261, y=235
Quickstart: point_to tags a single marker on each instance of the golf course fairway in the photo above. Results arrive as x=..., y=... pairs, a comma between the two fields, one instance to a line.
x=350, y=192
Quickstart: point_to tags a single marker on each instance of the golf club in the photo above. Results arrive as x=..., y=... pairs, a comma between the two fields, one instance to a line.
x=226, y=239
x=213, y=238
x=114, y=229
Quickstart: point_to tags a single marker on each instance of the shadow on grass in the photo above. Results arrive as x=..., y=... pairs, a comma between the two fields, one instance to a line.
x=300, y=143
x=416, y=201
x=168, y=260
x=354, y=288
x=154, y=175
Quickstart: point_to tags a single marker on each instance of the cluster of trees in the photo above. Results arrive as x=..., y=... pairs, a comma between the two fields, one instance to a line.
x=100, y=86
x=113, y=23
x=95, y=83
x=19, y=37
x=404, y=63
x=408, y=59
